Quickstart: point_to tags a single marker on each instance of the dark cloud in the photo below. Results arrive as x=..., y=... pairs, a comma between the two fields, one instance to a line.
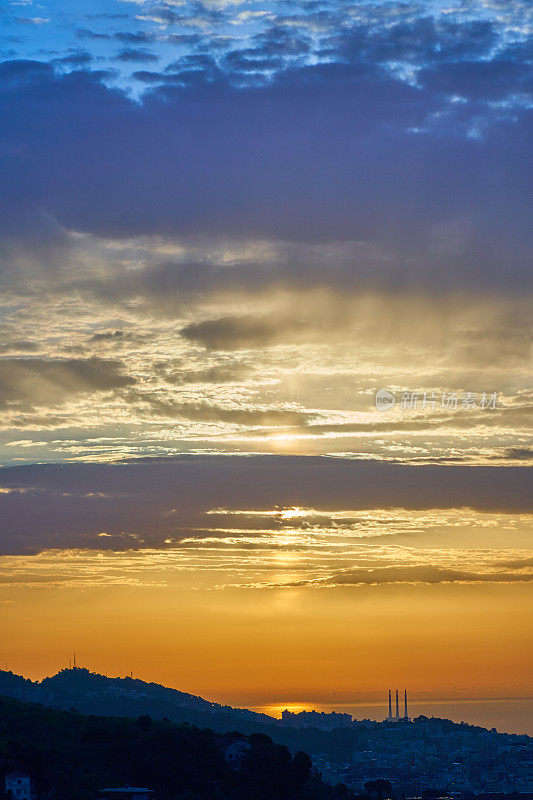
x=108, y=336
x=517, y=563
x=127, y=37
x=139, y=37
x=516, y=453
x=132, y=54
x=76, y=58
x=194, y=61
x=251, y=60
x=117, y=337
x=190, y=69
x=85, y=33
x=35, y=380
x=425, y=573
x=184, y=39
x=68, y=505
x=19, y=345
x=521, y=50
x=281, y=41
x=415, y=41
x=325, y=152
x=149, y=76
x=107, y=16
x=223, y=373
x=206, y=412
x=234, y=333
x=490, y=80
x=203, y=412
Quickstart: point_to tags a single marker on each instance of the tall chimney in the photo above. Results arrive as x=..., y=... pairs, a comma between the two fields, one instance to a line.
x=405, y=703
x=390, y=705
x=397, y=706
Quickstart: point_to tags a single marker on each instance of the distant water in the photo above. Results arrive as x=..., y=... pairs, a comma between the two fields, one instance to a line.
x=513, y=715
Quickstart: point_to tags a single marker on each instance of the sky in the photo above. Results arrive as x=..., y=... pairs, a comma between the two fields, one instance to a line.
x=224, y=228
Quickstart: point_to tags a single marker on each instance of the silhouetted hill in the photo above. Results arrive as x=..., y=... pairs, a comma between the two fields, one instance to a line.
x=69, y=755
x=92, y=693
x=430, y=741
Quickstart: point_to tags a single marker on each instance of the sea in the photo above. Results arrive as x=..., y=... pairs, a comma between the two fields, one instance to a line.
x=507, y=715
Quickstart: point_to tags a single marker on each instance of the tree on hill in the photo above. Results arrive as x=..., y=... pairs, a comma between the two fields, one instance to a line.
x=72, y=755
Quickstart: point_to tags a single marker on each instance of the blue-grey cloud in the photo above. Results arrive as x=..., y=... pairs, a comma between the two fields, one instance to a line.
x=133, y=54
x=331, y=152
x=75, y=58
x=69, y=505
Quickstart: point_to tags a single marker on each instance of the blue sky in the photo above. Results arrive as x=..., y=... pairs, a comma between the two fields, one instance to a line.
x=128, y=36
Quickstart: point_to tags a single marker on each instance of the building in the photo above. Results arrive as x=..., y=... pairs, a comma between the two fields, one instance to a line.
x=19, y=785
x=235, y=747
x=235, y=753
x=316, y=719
x=126, y=793
x=396, y=717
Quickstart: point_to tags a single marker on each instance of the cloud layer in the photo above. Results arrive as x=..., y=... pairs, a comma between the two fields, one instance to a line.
x=369, y=158
x=153, y=503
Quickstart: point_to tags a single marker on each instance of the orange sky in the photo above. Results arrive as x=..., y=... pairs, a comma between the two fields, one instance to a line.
x=254, y=645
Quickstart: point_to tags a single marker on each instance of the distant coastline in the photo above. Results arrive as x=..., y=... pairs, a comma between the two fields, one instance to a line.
x=507, y=714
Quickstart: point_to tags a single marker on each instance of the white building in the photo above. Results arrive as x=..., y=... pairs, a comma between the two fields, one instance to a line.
x=235, y=753
x=19, y=784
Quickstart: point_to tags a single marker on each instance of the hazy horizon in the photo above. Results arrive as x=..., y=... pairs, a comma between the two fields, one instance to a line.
x=508, y=714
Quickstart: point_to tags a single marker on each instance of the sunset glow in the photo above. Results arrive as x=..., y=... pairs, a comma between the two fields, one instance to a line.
x=266, y=348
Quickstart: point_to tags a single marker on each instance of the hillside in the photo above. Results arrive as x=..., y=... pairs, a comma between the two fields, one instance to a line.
x=443, y=754
x=70, y=755
x=92, y=693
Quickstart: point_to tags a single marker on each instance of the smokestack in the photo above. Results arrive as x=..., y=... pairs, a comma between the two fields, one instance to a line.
x=405, y=703
x=397, y=706
x=390, y=704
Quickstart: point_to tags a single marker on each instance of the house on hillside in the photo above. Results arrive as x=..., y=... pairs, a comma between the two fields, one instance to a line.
x=18, y=786
x=234, y=746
